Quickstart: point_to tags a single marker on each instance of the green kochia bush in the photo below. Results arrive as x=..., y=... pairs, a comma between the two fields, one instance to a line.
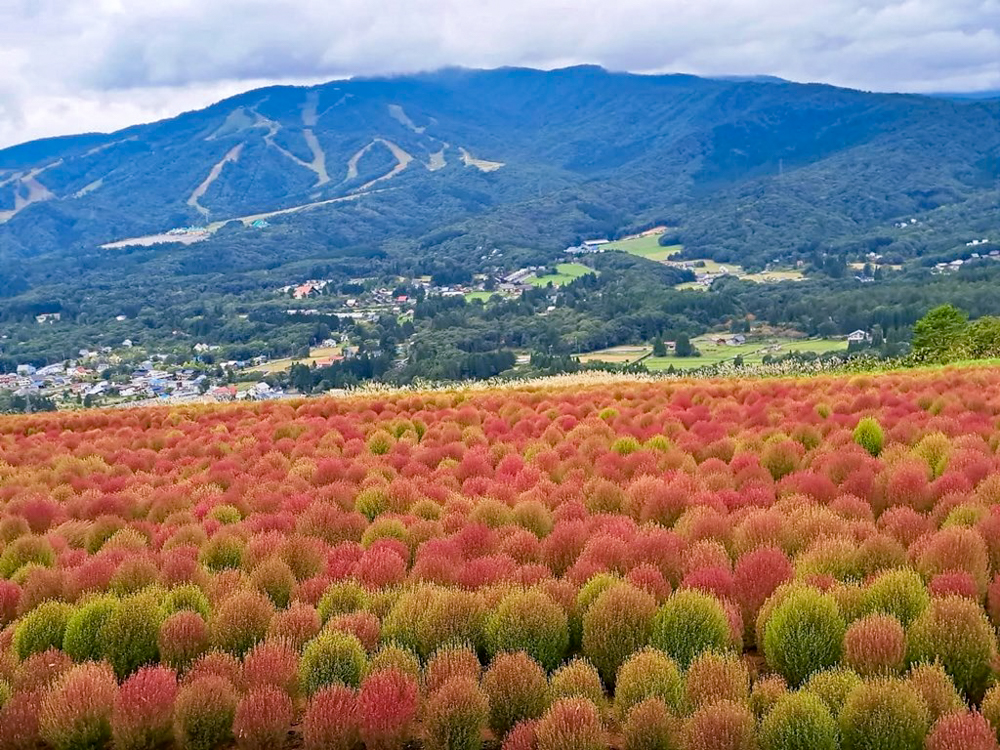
x=615, y=626
x=883, y=714
x=799, y=721
x=649, y=673
x=804, y=634
x=899, y=593
x=332, y=657
x=529, y=621
x=204, y=712
x=833, y=686
x=82, y=639
x=517, y=690
x=869, y=435
x=691, y=622
x=41, y=629
x=955, y=632
x=129, y=637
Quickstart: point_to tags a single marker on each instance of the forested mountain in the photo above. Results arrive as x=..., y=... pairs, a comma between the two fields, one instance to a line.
x=431, y=173
x=517, y=156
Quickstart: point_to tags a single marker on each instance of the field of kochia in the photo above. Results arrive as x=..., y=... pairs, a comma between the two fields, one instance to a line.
x=783, y=564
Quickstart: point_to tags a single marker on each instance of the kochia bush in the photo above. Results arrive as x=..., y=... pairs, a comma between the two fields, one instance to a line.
x=455, y=715
x=143, y=709
x=204, y=712
x=799, y=721
x=330, y=658
x=883, y=714
x=517, y=690
x=804, y=634
x=529, y=621
x=689, y=623
x=617, y=624
x=649, y=673
x=76, y=713
x=571, y=722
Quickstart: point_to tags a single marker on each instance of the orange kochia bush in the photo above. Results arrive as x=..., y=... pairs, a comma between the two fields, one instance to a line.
x=409, y=525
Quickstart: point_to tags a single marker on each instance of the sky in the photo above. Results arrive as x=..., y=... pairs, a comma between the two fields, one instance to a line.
x=70, y=66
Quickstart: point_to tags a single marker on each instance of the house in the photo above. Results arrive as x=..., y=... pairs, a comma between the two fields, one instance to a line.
x=858, y=336
x=48, y=317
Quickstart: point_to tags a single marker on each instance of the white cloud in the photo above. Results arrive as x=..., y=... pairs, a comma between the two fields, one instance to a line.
x=75, y=65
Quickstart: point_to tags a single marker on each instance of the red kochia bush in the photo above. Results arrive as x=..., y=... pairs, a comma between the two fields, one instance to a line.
x=331, y=720
x=263, y=718
x=962, y=730
x=875, y=645
x=274, y=664
x=143, y=710
x=183, y=638
x=571, y=722
x=758, y=573
x=19, y=718
x=387, y=707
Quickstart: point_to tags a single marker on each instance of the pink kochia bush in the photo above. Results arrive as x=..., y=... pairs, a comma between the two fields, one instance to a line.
x=263, y=718
x=331, y=720
x=387, y=708
x=143, y=709
x=962, y=730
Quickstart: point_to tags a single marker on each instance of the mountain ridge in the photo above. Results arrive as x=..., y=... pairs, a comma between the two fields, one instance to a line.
x=458, y=146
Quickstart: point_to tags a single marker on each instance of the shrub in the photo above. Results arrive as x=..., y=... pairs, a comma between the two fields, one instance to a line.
x=76, y=713
x=262, y=719
x=578, y=679
x=765, y=693
x=19, y=717
x=875, y=645
x=833, y=686
x=721, y=726
x=690, y=622
x=387, y=707
x=40, y=670
x=898, y=593
x=41, y=629
x=130, y=636
x=758, y=573
x=295, y=626
x=869, y=435
x=990, y=708
x=617, y=624
x=10, y=597
x=342, y=598
x=935, y=689
x=883, y=714
x=24, y=551
x=956, y=549
x=224, y=551
x=651, y=726
x=804, y=634
x=517, y=690
x=330, y=721
x=571, y=722
x=455, y=715
x=82, y=638
x=714, y=677
x=183, y=637
x=955, y=632
x=391, y=656
x=522, y=737
x=204, y=712
x=143, y=711
x=330, y=658
x=529, y=621
x=649, y=673
x=274, y=664
x=799, y=721
x=448, y=663
x=962, y=730
x=241, y=622
x=364, y=625
x=186, y=597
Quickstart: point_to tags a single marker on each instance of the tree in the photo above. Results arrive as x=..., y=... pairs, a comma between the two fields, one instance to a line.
x=936, y=335
x=684, y=347
x=659, y=348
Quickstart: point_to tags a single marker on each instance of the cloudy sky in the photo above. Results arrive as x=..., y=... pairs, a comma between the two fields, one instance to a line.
x=69, y=66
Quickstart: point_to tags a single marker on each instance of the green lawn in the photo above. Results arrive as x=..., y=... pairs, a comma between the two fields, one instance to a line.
x=752, y=352
x=567, y=272
x=645, y=247
x=484, y=296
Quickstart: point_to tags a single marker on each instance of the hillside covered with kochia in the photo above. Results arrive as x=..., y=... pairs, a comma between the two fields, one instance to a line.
x=690, y=565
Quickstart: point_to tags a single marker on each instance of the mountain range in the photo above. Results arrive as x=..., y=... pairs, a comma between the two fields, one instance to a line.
x=438, y=165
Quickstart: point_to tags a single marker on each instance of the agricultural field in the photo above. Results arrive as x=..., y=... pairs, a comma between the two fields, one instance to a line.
x=645, y=246
x=753, y=352
x=566, y=273
x=703, y=565
x=281, y=365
